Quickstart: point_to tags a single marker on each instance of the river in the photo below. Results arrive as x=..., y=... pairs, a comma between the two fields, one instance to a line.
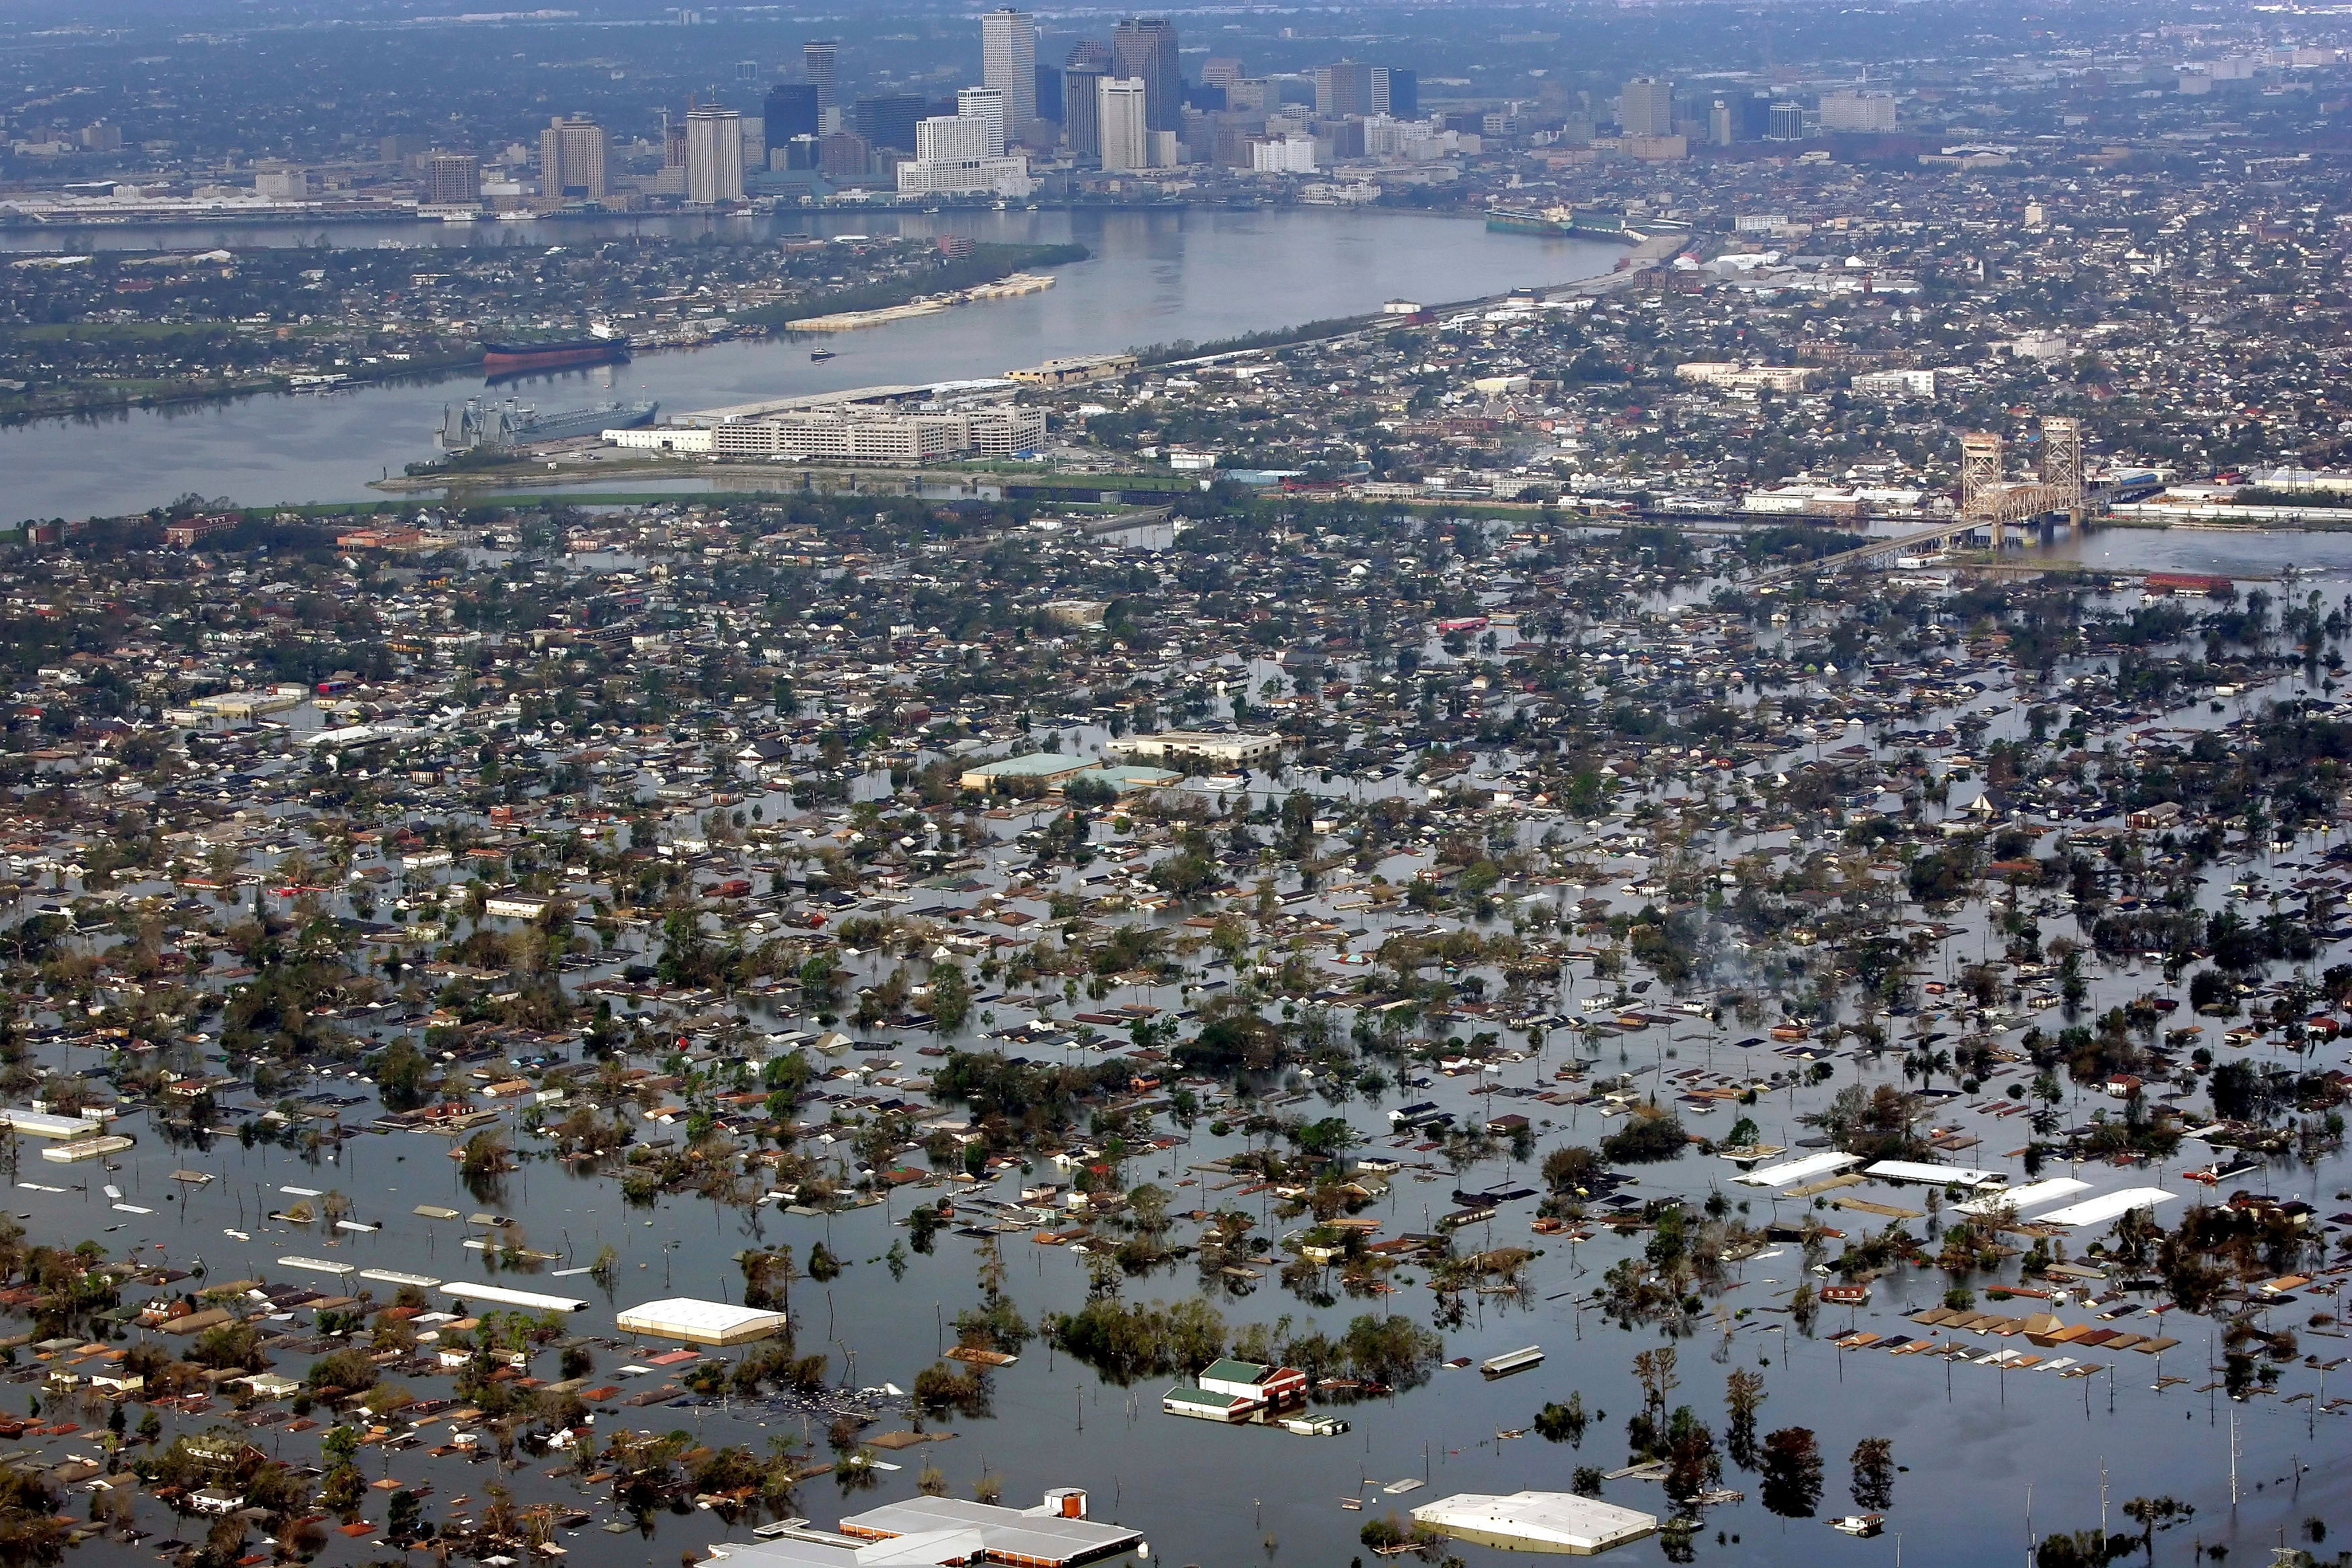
x=1154, y=277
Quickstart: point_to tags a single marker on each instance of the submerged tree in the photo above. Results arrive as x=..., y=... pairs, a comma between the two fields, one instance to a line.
x=1743, y=1394
x=1874, y=1473
x=1792, y=1472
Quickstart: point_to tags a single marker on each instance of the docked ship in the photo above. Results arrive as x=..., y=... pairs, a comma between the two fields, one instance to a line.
x=478, y=423
x=598, y=345
x=1561, y=222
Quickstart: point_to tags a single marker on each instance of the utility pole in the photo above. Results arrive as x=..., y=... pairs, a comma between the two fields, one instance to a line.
x=2233, y=1458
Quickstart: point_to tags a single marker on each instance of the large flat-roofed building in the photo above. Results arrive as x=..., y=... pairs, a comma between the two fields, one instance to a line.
x=699, y=1322
x=860, y=425
x=1074, y=369
x=1535, y=1522
x=1042, y=768
x=1229, y=749
x=928, y=1529
x=862, y=434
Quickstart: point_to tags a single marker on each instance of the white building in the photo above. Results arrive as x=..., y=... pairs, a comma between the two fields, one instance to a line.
x=1008, y=62
x=1386, y=139
x=714, y=155
x=1866, y=111
x=1292, y=154
x=956, y=138
x=1231, y=749
x=1746, y=377
x=860, y=433
x=992, y=108
x=1006, y=176
x=1895, y=383
x=1126, y=138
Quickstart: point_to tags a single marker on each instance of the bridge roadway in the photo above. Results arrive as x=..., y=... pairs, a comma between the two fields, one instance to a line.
x=1903, y=545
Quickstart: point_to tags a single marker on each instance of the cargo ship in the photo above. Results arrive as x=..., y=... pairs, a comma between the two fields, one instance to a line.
x=476, y=422
x=596, y=346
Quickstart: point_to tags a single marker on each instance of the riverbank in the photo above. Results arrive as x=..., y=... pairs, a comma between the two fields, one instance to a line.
x=237, y=322
x=986, y=264
x=116, y=398
x=1158, y=276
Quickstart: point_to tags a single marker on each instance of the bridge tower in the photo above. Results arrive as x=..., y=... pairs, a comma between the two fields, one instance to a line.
x=2062, y=464
x=1984, y=468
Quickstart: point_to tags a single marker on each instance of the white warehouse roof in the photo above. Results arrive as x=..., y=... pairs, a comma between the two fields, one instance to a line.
x=2020, y=1199
x=1797, y=1170
x=1940, y=1175
x=700, y=1323
x=1535, y=1522
x=2108, y=1207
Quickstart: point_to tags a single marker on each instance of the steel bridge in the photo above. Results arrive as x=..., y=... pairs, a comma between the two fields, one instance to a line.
x=1990, y=499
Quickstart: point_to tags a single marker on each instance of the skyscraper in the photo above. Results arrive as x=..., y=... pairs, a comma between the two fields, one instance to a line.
x=571, y=154
x=1143, y=49
x=791, y=110
x=1123, y=113
x=990, y=106
x=1343, y=90
x=453, y=179
x=714, y=155
x=1647, y=108
x=955, y=138
x=887, y=119
x=1008, y=62
x=1396, y=91
x=1082, y=107
x=817, y=58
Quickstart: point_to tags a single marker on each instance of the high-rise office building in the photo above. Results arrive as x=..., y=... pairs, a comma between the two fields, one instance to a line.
x=991, y=108
x=1220, y=70
x=453, y=179
x=1785, y=122
x=1091, y=52
x=1082, y=108
x=1738, y=117
x=714, y=155
x=1647, y=108
x=1143, y=49
x=953, y=138
x=572, y=150
x=1343, y=90
x=1008, y=63
x=1396, y=92
x=844, y=156
x=1866, y=112
x=1123, y=115
x=889, y=119
x=818, y=62
x=791, y=110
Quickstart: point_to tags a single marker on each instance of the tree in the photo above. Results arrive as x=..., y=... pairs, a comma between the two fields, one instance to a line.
x=1792, y=1472
x=1572, y=1170
x=1692, y=1463
x=1874, y=1473
x=951, y=998
x=1743, y=1394
x=1656, y=1369
x=1562, y=1422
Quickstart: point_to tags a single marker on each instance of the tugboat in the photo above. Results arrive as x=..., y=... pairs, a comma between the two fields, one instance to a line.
x=821, y=355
